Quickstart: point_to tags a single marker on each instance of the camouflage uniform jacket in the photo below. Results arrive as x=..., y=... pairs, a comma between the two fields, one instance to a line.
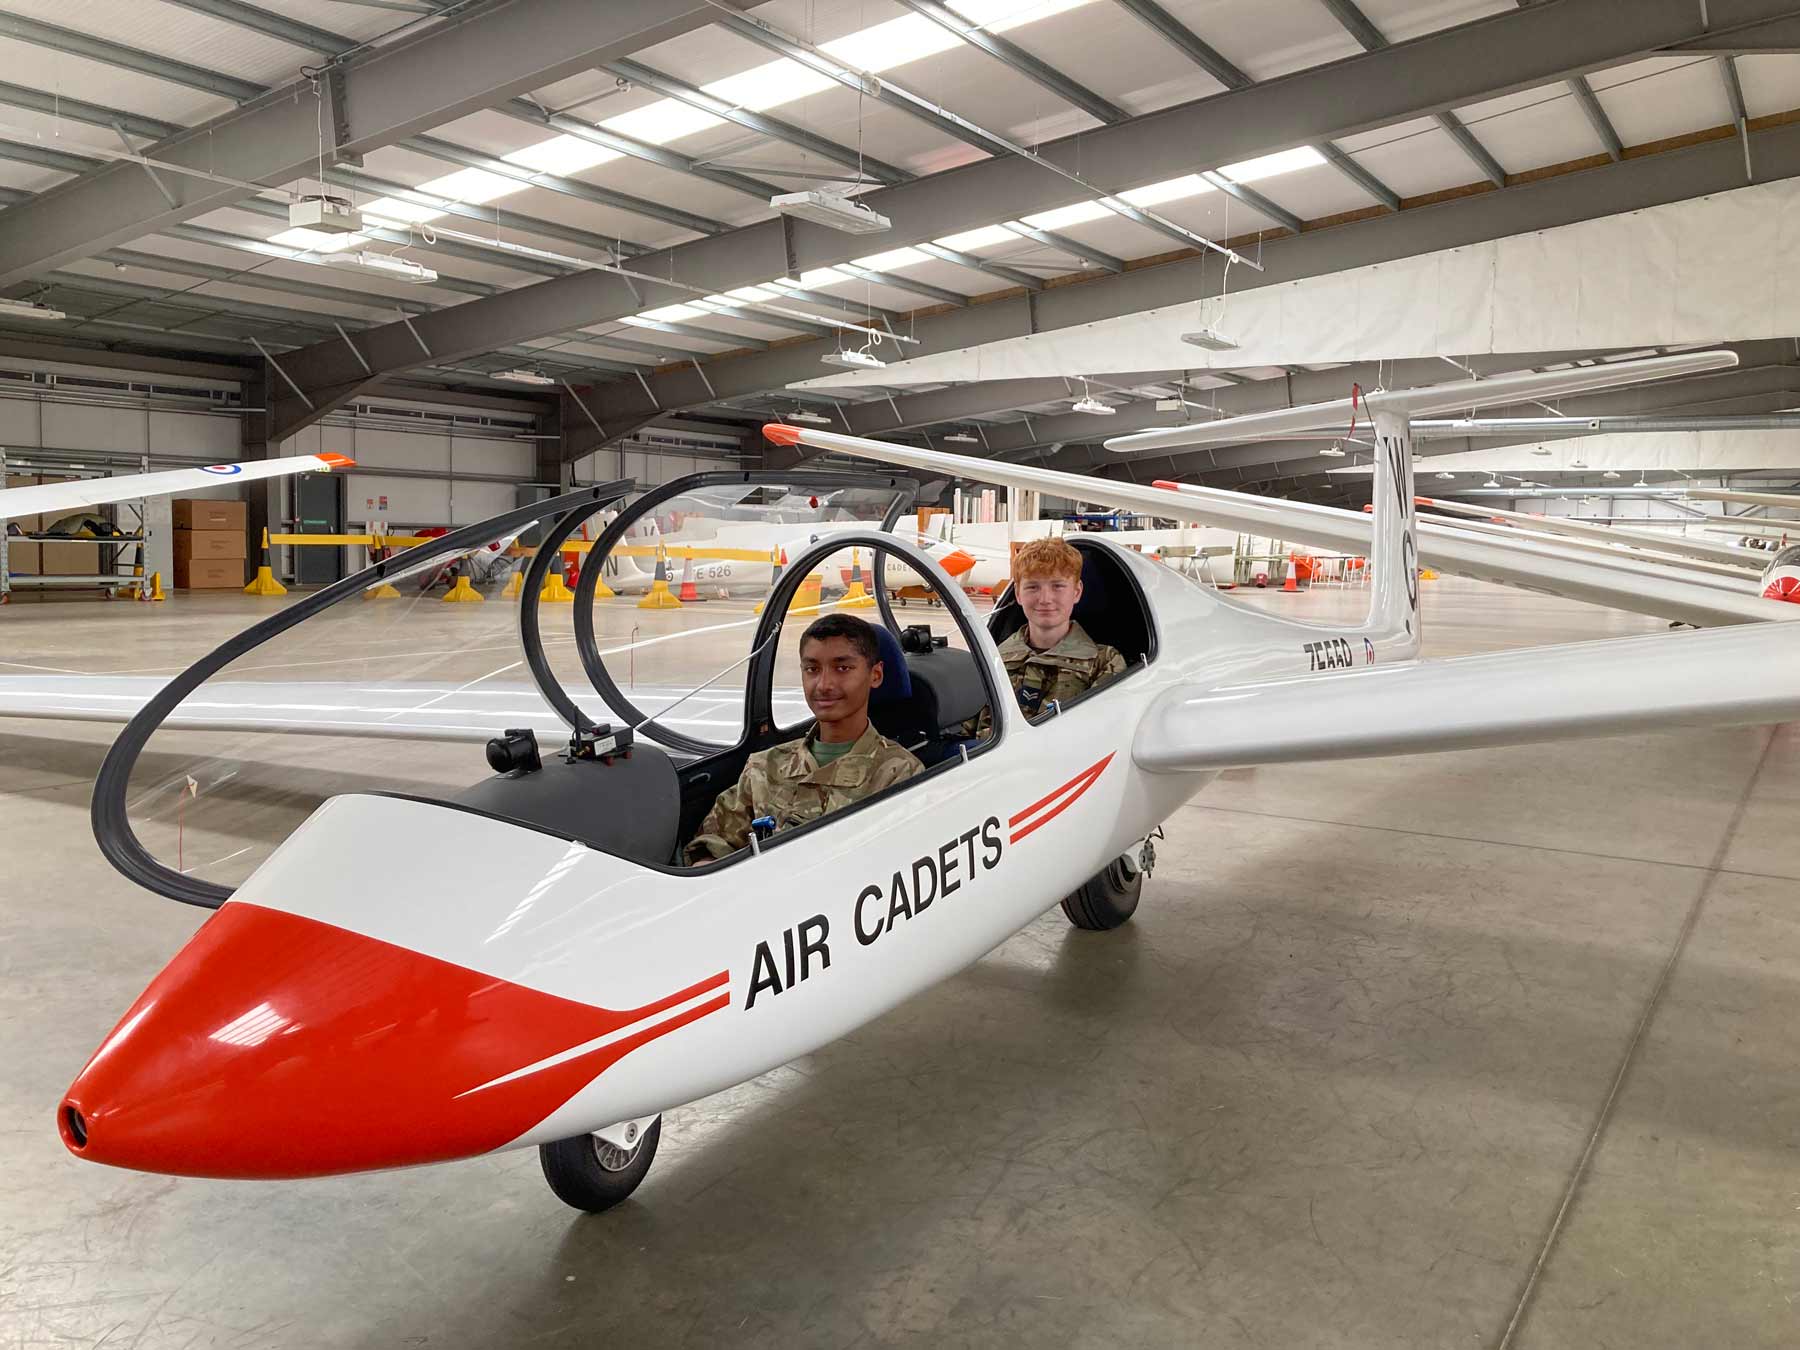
x=1071, y=667
x=786, y=782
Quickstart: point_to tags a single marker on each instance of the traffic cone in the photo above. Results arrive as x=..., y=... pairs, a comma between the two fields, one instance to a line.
x=689, y=591
x=515, y=585
x=1292, y=581
x=264, y=582
x=156, y=590
x=857, y=595
x=555, y=590
x=659, y=596
x=381, y=591
x=807, y=599
x=460, y=592
x=601, y=590
x=777, y=556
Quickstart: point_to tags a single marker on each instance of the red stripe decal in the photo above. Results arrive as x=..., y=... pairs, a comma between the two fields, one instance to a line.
x=278, y=1046
x=1075, y=787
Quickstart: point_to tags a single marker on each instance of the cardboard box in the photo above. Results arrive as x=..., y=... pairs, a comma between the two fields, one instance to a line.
x=70, y=560
x=203, y=513
x=209, y=574
x=194, y=544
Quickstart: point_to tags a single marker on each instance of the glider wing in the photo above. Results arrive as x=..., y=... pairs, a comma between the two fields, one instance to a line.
x=28, y=501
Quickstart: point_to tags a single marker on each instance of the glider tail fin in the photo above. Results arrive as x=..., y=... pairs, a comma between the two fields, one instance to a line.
x=1393, y=622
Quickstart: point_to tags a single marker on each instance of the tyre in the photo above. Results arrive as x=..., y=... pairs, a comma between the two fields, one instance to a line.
x=1107, y=900
x=590, y=1174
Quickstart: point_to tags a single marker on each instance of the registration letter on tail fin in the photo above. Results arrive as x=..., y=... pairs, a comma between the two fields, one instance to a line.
x=1394, y=562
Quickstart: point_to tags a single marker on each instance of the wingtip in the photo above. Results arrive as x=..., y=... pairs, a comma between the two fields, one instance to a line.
x=1168, y=483
x=780, y=433
x=333, y=461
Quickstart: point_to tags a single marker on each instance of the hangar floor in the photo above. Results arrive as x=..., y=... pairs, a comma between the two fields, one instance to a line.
x=1487, y=1049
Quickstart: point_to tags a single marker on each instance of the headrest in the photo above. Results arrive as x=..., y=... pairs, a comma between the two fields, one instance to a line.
x=1093, y=589
x=896, y=683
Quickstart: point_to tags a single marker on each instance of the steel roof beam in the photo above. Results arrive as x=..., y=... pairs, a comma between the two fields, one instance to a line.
x=1635, y=183
x=1253, y=199
x=291, y=31
x=761, y=123
x=1356, y=23
x=1464, y=64
x=484, y=56
x=1589, y=103
x=1215, y=64
x=524, y=110
x=1010, y=54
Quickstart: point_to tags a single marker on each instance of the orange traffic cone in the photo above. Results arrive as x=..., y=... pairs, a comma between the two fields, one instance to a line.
x=689, y=591
x=1291, y=582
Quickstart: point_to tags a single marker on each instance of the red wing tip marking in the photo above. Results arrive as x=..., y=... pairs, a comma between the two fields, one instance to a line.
x=1036, y=816
x=335, y=461
x=781, y=434
x=1168, y=483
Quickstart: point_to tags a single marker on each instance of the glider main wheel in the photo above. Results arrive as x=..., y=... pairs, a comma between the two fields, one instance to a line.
x=1107, y=900
x=591, y=1174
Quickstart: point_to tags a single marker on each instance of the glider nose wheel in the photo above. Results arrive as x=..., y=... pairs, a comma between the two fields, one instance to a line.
x=594, y=1172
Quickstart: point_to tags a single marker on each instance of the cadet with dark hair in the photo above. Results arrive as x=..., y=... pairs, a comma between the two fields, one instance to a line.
x=842, y=761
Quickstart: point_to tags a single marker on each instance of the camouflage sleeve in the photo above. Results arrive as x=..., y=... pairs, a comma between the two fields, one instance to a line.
x=726, y=828
x=1111, y=666
x=894, y=768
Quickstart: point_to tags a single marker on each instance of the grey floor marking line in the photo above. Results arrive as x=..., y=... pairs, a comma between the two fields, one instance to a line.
x=1629, y=1058
x=1496, y=843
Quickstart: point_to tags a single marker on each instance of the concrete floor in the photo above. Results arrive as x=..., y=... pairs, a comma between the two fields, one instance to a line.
x=1486, y=1049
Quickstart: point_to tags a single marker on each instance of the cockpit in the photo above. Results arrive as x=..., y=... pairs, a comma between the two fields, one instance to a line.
x=621, y=659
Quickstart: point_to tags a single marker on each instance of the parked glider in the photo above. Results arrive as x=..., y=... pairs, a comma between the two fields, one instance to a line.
x=29, y=501
x=548, y=976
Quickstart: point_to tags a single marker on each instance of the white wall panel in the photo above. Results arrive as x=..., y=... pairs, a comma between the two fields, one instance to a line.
x=476, y=455
x=411, y=501
x=470, y=502
x=78, y=426
x=217, y=438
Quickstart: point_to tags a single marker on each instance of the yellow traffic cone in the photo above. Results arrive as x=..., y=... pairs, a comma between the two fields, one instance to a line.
x=156, y=590
x=515, y=585
x=807, y=599
x=264, y=582
x=778, y=556
x=857, y=595
x=461, y=593
x=381, y=591
x=601, y=590
x=555, y=590
x=659, y=596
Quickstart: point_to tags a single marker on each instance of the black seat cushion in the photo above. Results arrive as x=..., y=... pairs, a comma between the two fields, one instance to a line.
x=630, y=807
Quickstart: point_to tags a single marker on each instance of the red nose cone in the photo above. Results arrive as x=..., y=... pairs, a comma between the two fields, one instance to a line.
x=278, y=1046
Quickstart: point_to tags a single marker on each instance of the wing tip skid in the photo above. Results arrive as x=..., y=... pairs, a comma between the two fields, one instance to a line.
x=336, y=461
x=780, y=433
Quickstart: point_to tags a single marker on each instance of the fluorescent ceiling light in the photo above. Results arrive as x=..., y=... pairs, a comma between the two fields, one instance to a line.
x=523, y=376
x=962, y=438
x=1268, y=166
x=316, y=241
x=1445, y=473
x=1333, y=452
x=830, y=209
x=802, y=415
x=1211, y=339
x=1610, y=473
x=1093, y=407
x=28, y=309
x=400, y=269
x=1540, y=449
x=853, y=360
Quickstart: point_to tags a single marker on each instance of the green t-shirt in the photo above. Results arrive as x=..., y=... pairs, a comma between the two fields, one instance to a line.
x=827, y=751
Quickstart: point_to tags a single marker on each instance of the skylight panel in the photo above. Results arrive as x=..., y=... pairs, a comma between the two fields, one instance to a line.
x=662, y=121
x=997, y=16
x=768, y=86
x=1173, y=190
x=985, y=237
x=912, y=37
x=1078, y=213
x=562, y=155
x=316, y=241
x=818, y=276
x=672, y=313
x=748, y=293
x=398, y=212
x=473, y=186
x=1268, y=166
x=894, y=257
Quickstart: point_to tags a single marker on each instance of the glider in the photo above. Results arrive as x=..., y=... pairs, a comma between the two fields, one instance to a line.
x=29, y=501
x=549, y=977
